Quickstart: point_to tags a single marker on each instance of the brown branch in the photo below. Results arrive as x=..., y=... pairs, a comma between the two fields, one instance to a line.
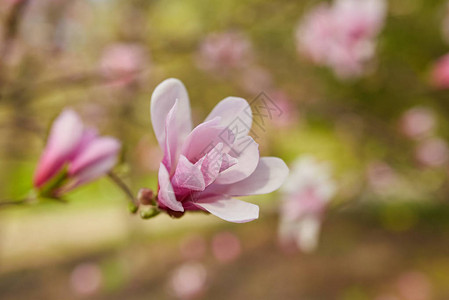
x=119, y=182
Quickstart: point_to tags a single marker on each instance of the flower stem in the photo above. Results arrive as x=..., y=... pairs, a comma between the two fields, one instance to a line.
x=133, y=205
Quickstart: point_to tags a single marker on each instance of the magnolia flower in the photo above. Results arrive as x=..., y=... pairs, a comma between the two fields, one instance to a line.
x=342, y=36
x=74, y=155
x=307, y=192
x=222, y=51
x=440, y=73
x=205, y=167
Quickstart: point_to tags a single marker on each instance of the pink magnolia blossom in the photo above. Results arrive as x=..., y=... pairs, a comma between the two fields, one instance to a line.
x=307, y=193
x=417, y=122
x=224, y=51
x=342, y=36
x=440, y=73
x=80, y=150
x=205, y=167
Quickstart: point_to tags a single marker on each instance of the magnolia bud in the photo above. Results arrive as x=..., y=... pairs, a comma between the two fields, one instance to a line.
x=145, y=196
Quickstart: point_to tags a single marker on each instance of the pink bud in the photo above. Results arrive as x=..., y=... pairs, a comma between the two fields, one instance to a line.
x=86, y=155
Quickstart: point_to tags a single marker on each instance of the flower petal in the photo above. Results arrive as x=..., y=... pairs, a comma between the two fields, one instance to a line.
x=229, y=209
x=246, y=151
x=65, y=137
x=166, y=196
x=211, y=164
x=95, y=153
x=204, y=138
x=235, y=113
x=269, y=175
x=188, y=176
x=172, y=142
x=162, y=101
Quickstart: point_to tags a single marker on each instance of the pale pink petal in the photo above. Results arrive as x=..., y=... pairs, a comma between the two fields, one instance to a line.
x=64, y=139
x=211, y=164
x=166, y=196
x=230, y=209
x=172, y=142
x=90, y=173
x=228, y=161
x=204, y=138
x=235, y=113
x=188, y=176
x=162, y=101
x=246, y=151
x=95, y=153
x=269, y=175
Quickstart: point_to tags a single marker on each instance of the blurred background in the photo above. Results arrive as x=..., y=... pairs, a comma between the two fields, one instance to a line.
x=381, y=128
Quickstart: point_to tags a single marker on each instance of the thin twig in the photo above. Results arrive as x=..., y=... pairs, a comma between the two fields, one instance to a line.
x=119, y=182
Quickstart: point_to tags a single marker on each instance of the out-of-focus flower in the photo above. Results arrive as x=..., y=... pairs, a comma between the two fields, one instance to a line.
x=433, y=152
x=414, y=286
x=224, y=51
x=86, y=279
x=306, y=194
x=226, y=247
x=289, y=113
x=193, y=247
x=342, y=36
x=440, y=73
x=380, y=176
x=255, y=80
x=205, y=167
x=189, y=281
x=417, y=122
x=74, y=155
x=121, y=63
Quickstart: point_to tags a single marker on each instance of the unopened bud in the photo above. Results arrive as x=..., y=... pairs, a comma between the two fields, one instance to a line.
x=145, y=196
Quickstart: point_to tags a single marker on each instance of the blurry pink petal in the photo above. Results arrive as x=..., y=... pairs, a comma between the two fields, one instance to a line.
x=162, y=101
x=94, y=154
x=229, y=209
x=166, y=195
x=235, y=113
x=246, y=151
x=188, y=176
x=268, y=176
x=63, y=141
x=440, y=73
